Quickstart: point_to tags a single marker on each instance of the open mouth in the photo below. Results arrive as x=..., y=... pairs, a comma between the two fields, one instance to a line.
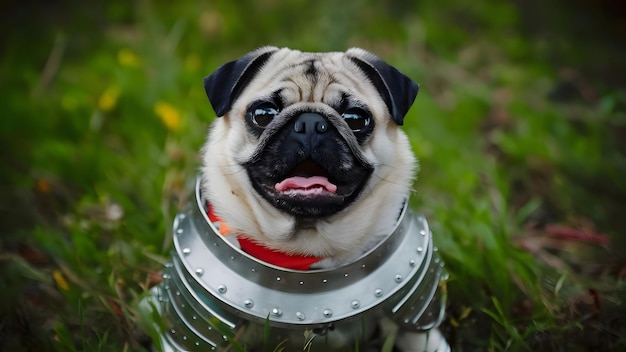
x=307, y=179
x=308, y=189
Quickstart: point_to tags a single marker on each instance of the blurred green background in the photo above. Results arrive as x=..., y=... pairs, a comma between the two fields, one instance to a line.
x=520, y=128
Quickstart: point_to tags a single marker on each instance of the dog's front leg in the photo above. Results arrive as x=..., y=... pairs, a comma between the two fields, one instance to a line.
x=429, y=341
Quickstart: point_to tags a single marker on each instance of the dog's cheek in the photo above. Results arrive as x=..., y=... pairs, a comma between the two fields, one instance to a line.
x=236, y=142
x=380, y=149
x=392, y=154
x=243, y=149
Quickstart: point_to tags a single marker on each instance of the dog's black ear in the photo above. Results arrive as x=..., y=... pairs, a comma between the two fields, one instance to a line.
x=398, y=91
x=225, y=84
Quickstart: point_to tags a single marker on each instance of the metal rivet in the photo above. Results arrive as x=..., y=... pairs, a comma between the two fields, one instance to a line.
x=197, y=343
x=179, y=231
x=277, y=312
x=253, y=270
x=210, y=328
x=412, y=262
x=194, y=317
x=355, y=304
x=300, y=316
x=277, y=278
x=363, y=266
x=199, y=271
x=436, y=260
x=397, y=278
x=327, y=313
x=324, y=281
x=177, y=293
x=224, y=337
x=378, y=292
x=221, y=289
x=435, y=249
x=173, y=331
x=186, y=251
x=166, y=276
x=419, y=249
x=232, y=257
x=169, y=265
x=185, y=337
x=345, y=275
x=248, y=303
x=181, y=216
x=423, y=232
x=301, y=282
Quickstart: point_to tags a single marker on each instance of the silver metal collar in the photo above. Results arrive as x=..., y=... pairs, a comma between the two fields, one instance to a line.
x=212, y=288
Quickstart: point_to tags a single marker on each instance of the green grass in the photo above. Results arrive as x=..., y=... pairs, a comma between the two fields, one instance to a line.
x=519, y=127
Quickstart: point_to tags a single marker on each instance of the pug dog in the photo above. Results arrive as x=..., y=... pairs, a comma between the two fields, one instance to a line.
x=307, y=160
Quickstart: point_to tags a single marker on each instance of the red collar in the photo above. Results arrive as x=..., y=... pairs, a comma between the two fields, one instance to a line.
x=268, y=255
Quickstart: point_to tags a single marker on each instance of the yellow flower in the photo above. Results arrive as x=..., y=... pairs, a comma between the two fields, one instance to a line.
x=60, y=280
x=108, y=99
x=128, y=58
x=168, y=114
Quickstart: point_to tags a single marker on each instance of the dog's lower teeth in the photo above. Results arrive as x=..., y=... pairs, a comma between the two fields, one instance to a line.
x=306, y=191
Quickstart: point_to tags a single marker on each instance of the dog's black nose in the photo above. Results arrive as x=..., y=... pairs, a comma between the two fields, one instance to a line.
x=310, y=124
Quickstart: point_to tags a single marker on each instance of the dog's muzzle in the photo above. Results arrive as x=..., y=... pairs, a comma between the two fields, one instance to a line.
x=213, y=293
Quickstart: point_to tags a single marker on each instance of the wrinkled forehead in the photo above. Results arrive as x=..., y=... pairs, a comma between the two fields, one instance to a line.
x=309, y=77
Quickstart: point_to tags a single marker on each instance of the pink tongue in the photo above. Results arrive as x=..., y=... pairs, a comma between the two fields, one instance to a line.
x=303, y=183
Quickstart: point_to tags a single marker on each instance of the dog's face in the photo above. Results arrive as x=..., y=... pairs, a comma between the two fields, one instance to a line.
x=307, y=156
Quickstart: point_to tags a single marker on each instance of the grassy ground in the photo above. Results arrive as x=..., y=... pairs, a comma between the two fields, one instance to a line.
x=520, y=127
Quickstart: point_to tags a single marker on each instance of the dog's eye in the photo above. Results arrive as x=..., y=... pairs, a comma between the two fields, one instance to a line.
x=357, y=119
x=262, y=115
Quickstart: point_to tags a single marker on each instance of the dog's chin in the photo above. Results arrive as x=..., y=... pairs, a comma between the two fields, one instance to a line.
x=312, y=203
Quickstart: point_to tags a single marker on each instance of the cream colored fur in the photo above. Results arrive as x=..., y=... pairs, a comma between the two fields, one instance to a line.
x=341, y=237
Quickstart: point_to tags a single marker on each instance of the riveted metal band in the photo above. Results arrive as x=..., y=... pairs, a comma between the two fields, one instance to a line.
x=212, y=289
